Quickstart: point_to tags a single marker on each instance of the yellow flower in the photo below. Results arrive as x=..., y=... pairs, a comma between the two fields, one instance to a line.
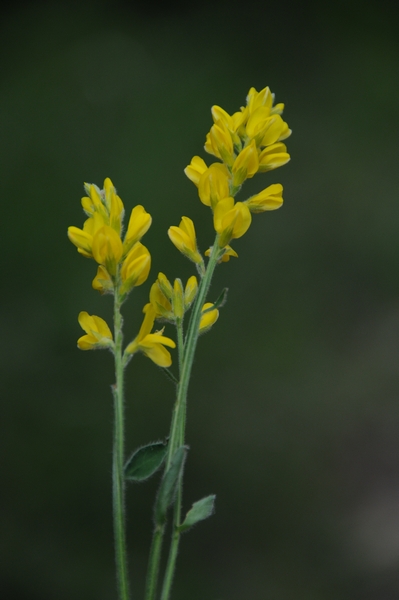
x=105, y=202
x=98, y=333
x=209, y=318
x=107, y=248
x=114, y=205
x=231, y=220
x=139, y=223
x=103, y=281
x=214, y=184
x=184, y=238
x=274, y=131
x=135, y=267
x=83, y=238
x=272, y=157
x=161, y=295
x=233, y=122
x=195, y=169
x=265, y=129
x=246, y=164
x=219, y=142
x=152, y=344
x=93, y=203
x=270, y=198
x=255, y=99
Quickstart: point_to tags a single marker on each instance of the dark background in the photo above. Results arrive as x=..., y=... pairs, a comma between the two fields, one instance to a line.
x=293, y=410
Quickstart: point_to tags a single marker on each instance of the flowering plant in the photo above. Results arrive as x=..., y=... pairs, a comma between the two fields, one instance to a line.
x=246, y=143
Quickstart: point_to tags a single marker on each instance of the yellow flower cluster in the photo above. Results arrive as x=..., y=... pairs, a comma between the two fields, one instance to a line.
x=101, y=238
x=247, y=142
x=123, y=263
x=170, y=303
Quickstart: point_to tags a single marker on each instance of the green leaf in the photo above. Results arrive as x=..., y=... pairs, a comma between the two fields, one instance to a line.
x=145, y=461
x=169, y=483
x=199, y=511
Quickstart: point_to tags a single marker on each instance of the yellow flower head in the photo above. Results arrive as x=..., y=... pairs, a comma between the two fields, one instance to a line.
x=209, y=318
x=214, y=185
x=195, y=169
x=231, y=220
x=98, y=333
x=184, y=238
x=135, y=268
x=152, y=344
x=270, y=198
x=100, y=237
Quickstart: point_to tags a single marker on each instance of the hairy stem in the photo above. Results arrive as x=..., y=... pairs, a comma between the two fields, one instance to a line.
x=186, y=358
x=118, y=488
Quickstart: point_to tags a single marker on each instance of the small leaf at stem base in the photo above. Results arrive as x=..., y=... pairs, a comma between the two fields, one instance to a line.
x=145, y=461
x=199, y=511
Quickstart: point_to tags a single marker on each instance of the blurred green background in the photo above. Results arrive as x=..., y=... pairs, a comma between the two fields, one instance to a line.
x=293, y=410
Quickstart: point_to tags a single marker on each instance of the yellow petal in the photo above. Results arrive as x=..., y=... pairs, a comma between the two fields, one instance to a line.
x=107, y=248
x=81, y=240
x=159, y=355
x=195, y=169
x=272, y=157
x=139, y=223
x=155, y=338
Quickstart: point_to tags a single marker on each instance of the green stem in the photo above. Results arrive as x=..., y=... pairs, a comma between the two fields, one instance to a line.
x=153, y=563
x=186, y=358
x=189, y=350
x=118, y=458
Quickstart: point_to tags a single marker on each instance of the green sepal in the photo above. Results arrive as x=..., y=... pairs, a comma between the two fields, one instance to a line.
x=168, y=485
x=198, y=512
x=145, y=461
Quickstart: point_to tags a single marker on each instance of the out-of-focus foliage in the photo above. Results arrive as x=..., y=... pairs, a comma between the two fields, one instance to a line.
x=294, y=404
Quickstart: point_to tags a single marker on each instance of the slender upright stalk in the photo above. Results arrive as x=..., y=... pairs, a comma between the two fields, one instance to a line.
x=177, y=435
x=118, y=488
x=179, y=423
